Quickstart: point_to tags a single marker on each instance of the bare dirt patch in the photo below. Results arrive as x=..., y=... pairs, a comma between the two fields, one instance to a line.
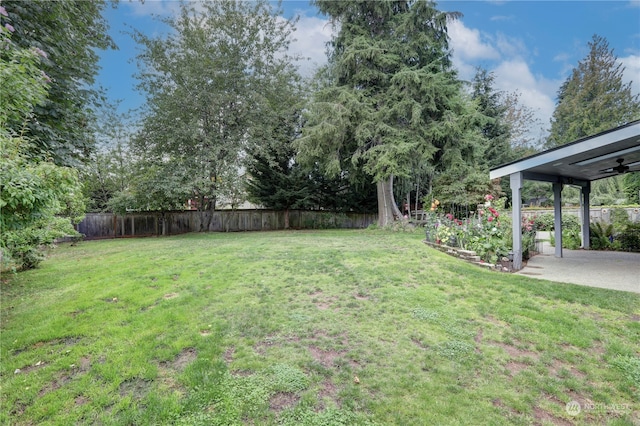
x=542, y=416
x=228, y=355
x=500, y=404
x=419, y=344
x=515, y=367
x=635, y=318
x=271, y=340
x=166, y=380
x=496, y=321
x=324, y=303
x=325, y=357
x=81, y=400
x=328, y=392
x=55, y=385
x=283, y=400
x=29, y=368
x=84, y=364
x=558, y=366
x=516, y=352
x=361, y=296
x=136, y=387
x=184, y=358
x=170, y=296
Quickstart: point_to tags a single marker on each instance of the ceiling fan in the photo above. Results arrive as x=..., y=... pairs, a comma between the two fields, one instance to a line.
x=620, y=168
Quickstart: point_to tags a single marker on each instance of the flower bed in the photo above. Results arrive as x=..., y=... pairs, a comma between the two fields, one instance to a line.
x=487, y=233
x=470, y=256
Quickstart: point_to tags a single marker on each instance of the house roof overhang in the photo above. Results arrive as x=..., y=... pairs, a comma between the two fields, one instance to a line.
x=585, y=160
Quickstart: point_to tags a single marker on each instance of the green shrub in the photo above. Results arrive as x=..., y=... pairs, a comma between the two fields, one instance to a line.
x=600, y=236
x=544, y=222
x=620, y=218
x=629, y=239
x=570, y=239
x=570, y=223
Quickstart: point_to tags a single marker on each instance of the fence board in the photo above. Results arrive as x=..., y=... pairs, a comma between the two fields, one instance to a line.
x=108, y=225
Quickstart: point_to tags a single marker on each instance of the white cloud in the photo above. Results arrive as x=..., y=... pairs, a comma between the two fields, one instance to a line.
x=311, y=37
x=510, y=47
x=507, y=59
x=468, y=44
x=536, y=92
x=153, y=7
x=632, y=72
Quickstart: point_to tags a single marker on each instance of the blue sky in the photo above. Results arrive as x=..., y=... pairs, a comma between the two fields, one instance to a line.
x=531, y=46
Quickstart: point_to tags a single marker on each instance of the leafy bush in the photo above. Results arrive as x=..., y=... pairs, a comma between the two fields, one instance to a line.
x=620, y=219
x=571, y=239
x=570, y=222
x=630, y=238
x=600, y=235
x=544, y=222
x=35, y=194
x=488, y=233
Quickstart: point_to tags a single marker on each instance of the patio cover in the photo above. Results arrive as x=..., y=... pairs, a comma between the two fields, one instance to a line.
x=577, y=163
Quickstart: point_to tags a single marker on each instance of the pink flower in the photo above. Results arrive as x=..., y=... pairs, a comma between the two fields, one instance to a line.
x=9, y=27
x=449, y=216
x=45, y=77
x=490, y=219
x=488, y=197
x=3, y=11
x=40, y=52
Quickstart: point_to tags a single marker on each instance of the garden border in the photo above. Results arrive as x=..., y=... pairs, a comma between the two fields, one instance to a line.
x=470, y=256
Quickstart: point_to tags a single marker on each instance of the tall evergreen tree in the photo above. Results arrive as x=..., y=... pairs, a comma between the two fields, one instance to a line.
x=593, y=98
x=276, y=180
x=496, y=128
x=69, y=33
x=393, y=94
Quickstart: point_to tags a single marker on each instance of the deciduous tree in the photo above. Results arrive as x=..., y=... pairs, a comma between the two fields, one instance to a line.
x=69, y=33
x=215, y=85
x=37, y=197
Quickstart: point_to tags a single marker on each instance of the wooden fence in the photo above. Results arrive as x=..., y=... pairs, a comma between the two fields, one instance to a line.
x=109, y=225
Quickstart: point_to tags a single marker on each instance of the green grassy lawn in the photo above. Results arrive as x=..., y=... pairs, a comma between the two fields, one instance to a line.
x=325, y=327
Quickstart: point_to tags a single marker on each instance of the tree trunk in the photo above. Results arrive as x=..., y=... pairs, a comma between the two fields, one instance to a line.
x=387, y=209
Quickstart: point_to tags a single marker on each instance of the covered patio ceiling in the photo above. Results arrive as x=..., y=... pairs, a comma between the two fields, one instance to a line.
x=578, y=163
x=585, y=160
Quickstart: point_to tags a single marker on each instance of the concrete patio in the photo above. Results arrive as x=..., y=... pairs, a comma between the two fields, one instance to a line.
x=604, y=269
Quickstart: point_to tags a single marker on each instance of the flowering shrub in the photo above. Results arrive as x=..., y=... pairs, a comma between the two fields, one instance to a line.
x=486, y=232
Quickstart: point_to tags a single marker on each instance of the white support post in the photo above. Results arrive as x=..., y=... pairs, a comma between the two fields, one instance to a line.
x=516, y=208
x=586, y=213
x=557, y=213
